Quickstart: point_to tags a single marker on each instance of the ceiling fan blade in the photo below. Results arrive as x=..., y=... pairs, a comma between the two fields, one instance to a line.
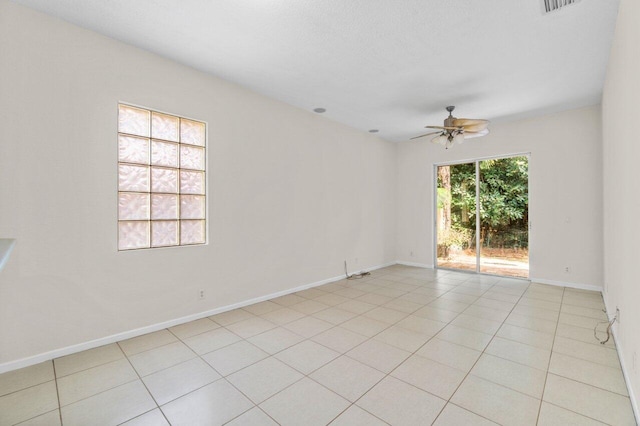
x=468, y=121
x=471, y=135
x=444, y=127
x=426, y=134
x=475, y=127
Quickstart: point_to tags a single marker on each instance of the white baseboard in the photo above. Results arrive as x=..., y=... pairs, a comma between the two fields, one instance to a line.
x=384, y=265
x=578, y=286
x=46, y=356
x=537, y=280
x=418, y=265
x=57, y=353
x=627, y=378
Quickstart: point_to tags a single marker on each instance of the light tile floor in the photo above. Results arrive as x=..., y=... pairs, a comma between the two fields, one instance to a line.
x=405, y=346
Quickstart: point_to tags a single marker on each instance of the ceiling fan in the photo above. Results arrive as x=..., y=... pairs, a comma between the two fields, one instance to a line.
x=456, y=130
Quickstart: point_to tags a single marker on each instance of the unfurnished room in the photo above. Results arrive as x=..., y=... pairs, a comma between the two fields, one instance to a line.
x=276, y=212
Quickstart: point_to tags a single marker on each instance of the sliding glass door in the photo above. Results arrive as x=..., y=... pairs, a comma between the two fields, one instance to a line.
x=504, y=216
x=497, y=240
x=456, y=212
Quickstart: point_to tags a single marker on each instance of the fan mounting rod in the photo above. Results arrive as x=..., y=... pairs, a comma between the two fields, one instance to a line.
x=448, y=122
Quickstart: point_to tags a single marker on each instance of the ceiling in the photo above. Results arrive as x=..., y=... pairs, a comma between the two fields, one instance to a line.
x=374, y=64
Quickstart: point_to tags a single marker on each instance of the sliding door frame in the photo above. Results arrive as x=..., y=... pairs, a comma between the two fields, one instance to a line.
x=476, y=161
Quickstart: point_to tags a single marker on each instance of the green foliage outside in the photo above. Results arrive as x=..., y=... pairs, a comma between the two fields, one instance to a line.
x=504, y=202
x=453, y=237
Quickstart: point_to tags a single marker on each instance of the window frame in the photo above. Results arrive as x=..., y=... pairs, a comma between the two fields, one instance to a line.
x=150, y=166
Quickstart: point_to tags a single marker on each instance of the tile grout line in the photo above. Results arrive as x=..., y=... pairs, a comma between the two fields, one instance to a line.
x=341, y=354
x=448, y=401
x=579, y=414
x=143, y=384
x=466, y=409
x=390, y=285
x=139, y=415
x=225, y=377
x=27, y=387
x=596, y=344
x=546, y=376
x=517, y=341
x=344, y=354
x=336, y=325
x=114, y=360
x=307, y=375
x=97, y=365
x=482, y=353
x=100, y=393
x=407, y=314
x=256, y=406
x=36, y=416
x=55, y=377
x=503, y=322
x=306, y=339
x=222, y=377
x=415, y=352
x=568, y=378
x=451, y=290
x=587, y=384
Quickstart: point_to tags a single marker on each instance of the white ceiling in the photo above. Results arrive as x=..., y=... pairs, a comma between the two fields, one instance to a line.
x=374, y=64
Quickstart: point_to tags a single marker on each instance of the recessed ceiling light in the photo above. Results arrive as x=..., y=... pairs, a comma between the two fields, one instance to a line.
x=374, y=131
x=319, y=110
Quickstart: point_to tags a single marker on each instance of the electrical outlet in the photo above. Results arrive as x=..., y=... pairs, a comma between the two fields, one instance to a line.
x=411, y=254
x=567, y=270
x=356, y=260
x=200, y=294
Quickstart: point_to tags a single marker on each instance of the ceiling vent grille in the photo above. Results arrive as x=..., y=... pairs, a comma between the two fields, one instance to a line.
x=552, y=5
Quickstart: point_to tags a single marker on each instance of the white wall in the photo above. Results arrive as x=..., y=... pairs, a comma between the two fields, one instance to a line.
x=291, y=196
x=621, y=149
x=565, y=172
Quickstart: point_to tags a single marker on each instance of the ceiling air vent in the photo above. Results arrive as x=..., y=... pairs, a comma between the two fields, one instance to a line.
x=552, y=5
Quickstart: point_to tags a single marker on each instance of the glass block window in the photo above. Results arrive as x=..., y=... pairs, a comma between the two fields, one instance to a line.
x=161, y=179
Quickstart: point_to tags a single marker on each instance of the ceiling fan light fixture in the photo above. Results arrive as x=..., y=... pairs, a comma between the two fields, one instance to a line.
x=448, y=143
x=441, y=139
x=459, y=138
